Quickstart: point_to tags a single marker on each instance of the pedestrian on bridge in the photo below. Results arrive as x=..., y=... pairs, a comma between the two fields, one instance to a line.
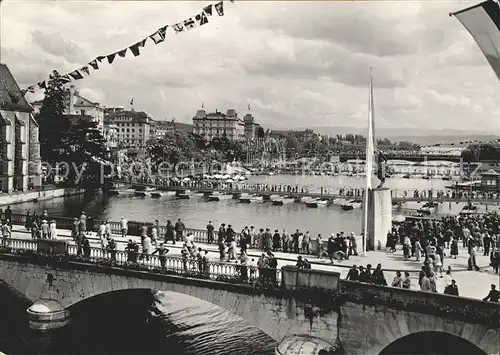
x=6, y=231
x=170, y=232
x=124, y=227
x=210, y=232
x=179, y=230
x=53, y=230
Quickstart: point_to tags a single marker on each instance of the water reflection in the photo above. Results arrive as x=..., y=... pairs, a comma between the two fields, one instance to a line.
x=196, y=212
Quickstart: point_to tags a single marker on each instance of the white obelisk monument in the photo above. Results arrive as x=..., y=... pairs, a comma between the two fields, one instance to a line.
x=377, y=201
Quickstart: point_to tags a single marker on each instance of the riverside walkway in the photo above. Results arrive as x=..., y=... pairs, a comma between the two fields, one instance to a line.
x=298, y=192
x=471, y=283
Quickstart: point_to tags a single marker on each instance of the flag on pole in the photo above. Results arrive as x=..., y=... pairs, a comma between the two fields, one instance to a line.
x=370, y=154
x=483, y=23
x=370, y=140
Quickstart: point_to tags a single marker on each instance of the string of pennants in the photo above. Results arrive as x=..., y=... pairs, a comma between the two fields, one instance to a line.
x=157, y=37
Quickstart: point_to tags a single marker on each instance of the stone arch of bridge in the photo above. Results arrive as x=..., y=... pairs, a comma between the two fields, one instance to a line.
x=383, y=326
x=431, y=342
x=259, y=311
x=273, y=313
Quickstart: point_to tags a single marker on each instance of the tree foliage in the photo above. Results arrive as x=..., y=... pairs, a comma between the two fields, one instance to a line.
x=66, y=144
x=52, y=121
x=481, y=152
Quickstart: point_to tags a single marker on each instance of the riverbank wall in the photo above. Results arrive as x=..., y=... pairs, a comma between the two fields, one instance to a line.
x=38, y=195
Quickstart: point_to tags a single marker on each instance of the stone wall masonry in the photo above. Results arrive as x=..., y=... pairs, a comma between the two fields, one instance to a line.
x=365, y=318
x=369, y=329
x=21, y=197
x=275, y=315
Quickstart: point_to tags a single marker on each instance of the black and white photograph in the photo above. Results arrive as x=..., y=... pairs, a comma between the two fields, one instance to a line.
x=249, y=177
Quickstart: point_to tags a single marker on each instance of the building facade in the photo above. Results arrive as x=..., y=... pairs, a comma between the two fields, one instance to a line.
x=217, y=124
x=75, y=104
x=20, y=164
x=111, y=133
x=250, y=127
x=164, y=127
x=134, y=128
x=490, y=180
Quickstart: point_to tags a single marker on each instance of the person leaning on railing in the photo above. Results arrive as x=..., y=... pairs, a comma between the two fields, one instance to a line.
x=111, y=248
x=162, y=254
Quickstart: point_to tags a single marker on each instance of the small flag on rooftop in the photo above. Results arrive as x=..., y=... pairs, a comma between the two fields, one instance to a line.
x=483, y=23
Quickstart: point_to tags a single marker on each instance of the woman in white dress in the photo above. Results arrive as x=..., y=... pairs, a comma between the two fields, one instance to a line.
x=53, y=230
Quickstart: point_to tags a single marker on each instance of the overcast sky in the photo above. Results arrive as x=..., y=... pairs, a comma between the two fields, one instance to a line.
x=296, y=63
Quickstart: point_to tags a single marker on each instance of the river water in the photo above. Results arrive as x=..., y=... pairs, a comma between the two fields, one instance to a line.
x=140, y=321
x=196, y=212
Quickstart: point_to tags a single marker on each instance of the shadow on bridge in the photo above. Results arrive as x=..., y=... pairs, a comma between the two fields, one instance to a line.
x=431, y=343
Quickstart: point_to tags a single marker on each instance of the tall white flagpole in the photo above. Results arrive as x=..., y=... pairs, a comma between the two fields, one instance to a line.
x=370, y=151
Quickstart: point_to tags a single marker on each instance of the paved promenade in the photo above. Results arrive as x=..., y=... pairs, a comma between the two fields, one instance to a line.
x=471, y=283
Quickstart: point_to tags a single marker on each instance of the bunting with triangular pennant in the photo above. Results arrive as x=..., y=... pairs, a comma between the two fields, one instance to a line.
x=135, y=47
x=111, y=57
x=76, y=75
x=94, y=64
x=157, y=37
x=201, y=18
x=189, y=24
x=219, y=7
x=208, y=10
x=178, y=27
x=85, y=69
x=65, y=79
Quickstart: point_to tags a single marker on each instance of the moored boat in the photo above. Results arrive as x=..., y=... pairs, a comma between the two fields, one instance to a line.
x=217, y=196
x=250, y=199
x=184, y=196
x=428, y=208
x=352, y=204
x=318, y=202
x=283, y=201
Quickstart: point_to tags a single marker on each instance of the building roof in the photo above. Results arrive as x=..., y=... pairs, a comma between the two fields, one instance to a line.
x=11, y=97
x=136, y=116
x=81, y=101
x=490, y=172
x=74, y=119
x=203, y=115
x=165, y=124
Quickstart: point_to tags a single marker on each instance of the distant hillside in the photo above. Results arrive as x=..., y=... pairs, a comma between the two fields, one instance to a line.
x=421, y=136
x=183, y=127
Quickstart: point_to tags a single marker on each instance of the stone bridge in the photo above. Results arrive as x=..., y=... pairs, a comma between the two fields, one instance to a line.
x=363, y=318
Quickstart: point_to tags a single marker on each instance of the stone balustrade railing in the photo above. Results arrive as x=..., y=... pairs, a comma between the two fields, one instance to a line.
x=438, y=304
x=316, y=287
x=200, y=235
x=220, y=271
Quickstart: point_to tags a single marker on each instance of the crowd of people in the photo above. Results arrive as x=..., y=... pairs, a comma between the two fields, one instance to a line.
x=432, y=240
x=427, y=240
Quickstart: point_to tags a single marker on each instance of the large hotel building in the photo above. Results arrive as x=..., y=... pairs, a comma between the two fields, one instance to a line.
x=217, y=124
